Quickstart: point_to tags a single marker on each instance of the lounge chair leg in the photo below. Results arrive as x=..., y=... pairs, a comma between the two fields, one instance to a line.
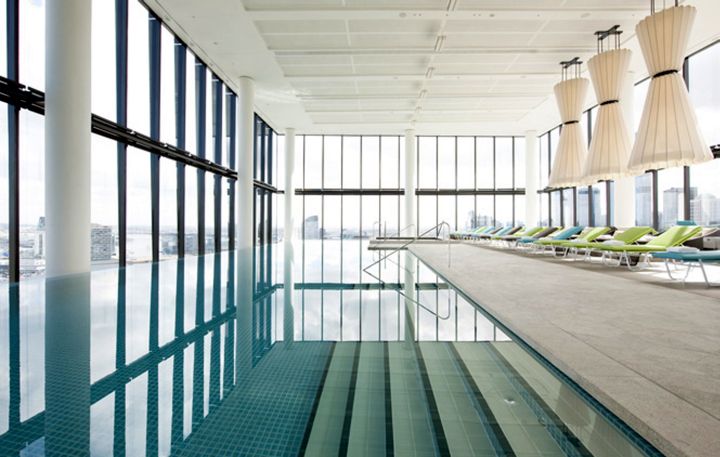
x=702, y=268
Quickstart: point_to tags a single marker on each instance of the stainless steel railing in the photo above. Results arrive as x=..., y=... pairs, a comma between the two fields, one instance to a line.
x=438, y=230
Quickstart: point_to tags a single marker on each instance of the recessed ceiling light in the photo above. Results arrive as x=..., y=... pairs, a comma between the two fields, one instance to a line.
x=584, y=15
x=403, y=14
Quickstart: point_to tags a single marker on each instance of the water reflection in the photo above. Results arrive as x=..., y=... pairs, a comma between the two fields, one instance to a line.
x=169, y=358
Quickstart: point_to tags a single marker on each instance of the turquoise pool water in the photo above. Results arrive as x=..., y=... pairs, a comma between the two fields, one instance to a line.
x=118, y=363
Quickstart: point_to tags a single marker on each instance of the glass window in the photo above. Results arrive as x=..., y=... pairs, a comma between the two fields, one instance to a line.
x=504, y=209
x=705, y=193
x=32, y=194
x=168, y=208
x=446, y=211
x=32, y=43
x=465, y=212
x=519, y=163
x=643, y=200
x=390, y=214
x=485, y=205
x=446, y=162
x=503, y=163
x=556, y=204
x=351, y=235
x=544, y=161
x=225, y=216
x=465, y=163
x=3, y=38
x=167, y=87
x=333, y=160
x=191, y=210
x=554, y=140
x=332, y=260
x=138, y=91
x=485, y=163
x=210, y=212
x=583, y=202
x=671, y=207
x=103, y=62
x=520, y=210
x=599, y=196
x=351, y=162
x=210, y=117
x=139, y=239
x=568, y=208
x=427, y=177
x=190, y=105
x=639, y=96
x=390, y=166
x=544, y=209
x=370, y=162
x=4, y=200
x=705, y=91
x=103, y=201
x=427, y=213
x=313, y=162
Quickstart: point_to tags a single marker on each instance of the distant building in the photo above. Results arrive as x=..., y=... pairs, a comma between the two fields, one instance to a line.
x=311, y=228
x=705, y=209
x=39, y=244
x=643, y=200
x=102, y=243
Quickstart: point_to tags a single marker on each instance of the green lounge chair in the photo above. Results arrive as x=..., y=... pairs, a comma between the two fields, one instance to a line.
x=674, y=236
x=527, y=239
x=626, y=237
x=588, y=235
x=527, y=231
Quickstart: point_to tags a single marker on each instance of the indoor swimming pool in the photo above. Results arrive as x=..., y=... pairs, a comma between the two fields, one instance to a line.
x=345, y=364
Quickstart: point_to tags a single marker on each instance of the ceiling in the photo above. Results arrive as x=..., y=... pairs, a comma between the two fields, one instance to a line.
x=382, y=66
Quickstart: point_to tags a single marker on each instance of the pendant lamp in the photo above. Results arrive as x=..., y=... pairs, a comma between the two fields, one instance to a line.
x=610, y=146
x=569, y=164
x=669, y=134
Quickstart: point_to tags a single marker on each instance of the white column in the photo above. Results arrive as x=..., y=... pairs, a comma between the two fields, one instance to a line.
x=67, y=222
x=67, y=137
x=289, y=231
x=531, y=178
x=410, y=184
x=245, y=229
x=624, y=193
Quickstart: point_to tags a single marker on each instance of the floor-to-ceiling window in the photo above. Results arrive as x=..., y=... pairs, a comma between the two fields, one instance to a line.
x=161, y=170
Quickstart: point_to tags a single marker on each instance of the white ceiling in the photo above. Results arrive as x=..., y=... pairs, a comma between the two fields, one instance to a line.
x=381, y=66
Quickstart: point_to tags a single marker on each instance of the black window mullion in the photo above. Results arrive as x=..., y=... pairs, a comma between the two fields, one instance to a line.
x=217, y=144
x=232, y=134
x=180, y=106
x=121, y=75
x=13, y=68
x=154, y=29
x=200, y=113
x=655, y=210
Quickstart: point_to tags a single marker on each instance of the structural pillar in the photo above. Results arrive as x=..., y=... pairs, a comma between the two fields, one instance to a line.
x=245, y=229
x=67, y=138
x=410, y=225
x=531, y=178
x=289, y=230
x=67, y=225
x=624, y=192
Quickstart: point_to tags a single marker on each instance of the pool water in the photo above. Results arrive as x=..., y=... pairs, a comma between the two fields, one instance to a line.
x=321, y=362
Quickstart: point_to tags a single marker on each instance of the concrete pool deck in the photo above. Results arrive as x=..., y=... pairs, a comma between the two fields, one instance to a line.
x=651, y=354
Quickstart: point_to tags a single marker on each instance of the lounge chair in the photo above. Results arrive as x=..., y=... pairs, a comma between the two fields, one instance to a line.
x=461, y=234
x=542, y=233
x=527, y=231
x=502, y=232
x=689, y=258
x=550, y=241
x=588, y=235
x=625, y=237
x=674, y=236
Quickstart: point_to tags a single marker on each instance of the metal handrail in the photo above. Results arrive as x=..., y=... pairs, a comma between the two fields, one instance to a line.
x=438, y=230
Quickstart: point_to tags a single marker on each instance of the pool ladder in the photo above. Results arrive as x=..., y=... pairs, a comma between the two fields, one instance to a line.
x=385, y=258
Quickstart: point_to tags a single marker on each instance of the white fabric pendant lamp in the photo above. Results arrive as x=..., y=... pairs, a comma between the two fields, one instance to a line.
x=568, y=167
x=669, y=134
x=610, y=146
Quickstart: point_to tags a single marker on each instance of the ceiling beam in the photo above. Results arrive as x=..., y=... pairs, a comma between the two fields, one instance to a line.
x=294, y=52
x=421, y=77
x=534, y=14
x=411, y=95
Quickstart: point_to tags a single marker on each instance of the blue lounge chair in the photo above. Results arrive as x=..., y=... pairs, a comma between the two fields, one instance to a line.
x=689, y=259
